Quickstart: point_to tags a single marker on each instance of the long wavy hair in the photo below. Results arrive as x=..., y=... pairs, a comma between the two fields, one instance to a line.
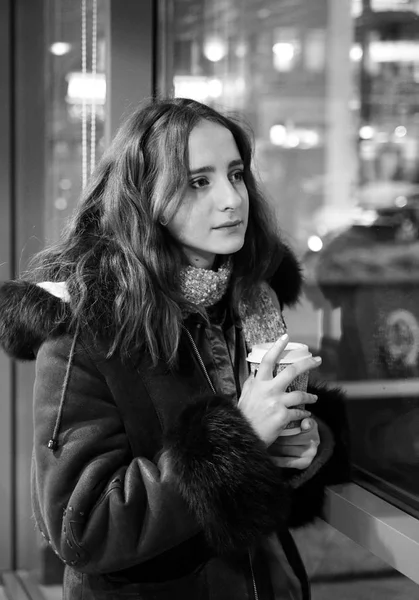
x=117, y=256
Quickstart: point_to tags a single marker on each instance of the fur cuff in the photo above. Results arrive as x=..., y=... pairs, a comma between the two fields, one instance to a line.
x=225, y=474
x=28, y=315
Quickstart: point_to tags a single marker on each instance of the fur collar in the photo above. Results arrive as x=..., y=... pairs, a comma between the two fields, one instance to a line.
x=287, y=280
x=29, y=313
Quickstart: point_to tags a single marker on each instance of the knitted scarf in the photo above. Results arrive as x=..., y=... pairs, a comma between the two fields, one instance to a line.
x=262, y=321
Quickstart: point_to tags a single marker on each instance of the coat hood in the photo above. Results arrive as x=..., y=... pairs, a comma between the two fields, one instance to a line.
x=32, y=312
x=29, y=314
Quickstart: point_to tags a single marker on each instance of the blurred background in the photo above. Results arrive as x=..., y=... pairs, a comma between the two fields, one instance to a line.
x=330, y=89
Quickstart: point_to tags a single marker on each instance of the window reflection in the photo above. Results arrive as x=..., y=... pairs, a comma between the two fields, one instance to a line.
x=67, y=88
x=331, y=90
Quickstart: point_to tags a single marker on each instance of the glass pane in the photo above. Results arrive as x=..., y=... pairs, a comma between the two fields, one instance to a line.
x=50, y=52
x=75, y=102
x=331, y=90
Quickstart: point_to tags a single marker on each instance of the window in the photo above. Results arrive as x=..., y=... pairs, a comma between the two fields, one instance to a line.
x=331, y=90
x=54, y=141
x=50, y=93
x=75, y=103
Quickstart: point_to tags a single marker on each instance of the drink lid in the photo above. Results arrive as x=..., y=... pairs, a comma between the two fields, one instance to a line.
x=293, y=352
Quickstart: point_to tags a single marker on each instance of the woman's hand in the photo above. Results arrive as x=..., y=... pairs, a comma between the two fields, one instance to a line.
x=297, y=451
x=264, y=401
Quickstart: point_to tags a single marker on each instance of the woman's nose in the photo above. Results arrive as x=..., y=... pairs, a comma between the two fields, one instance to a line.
x=228, y=195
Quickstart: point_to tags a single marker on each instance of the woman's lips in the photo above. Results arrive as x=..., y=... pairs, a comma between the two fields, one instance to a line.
x=229, y=224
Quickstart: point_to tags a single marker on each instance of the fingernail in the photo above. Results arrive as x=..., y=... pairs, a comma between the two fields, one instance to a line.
x=283, y=337
x=317, y=359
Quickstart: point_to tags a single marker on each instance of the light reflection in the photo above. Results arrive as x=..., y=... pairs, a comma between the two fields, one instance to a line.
x=215, y=49
x=278, y=135
x=284, y=55
x=400, y=201
x=356, y=8
x=60, y=203
x=293, y=141
x=60, y=48
x=315, y=243
x=366, y=132
x=198, y=88
x=284, y=50
x=356, y=53
x=215, y=88
x=400, y=131
x=394, y=51
x=86, y=86
x=387, y=5
x=294, y=137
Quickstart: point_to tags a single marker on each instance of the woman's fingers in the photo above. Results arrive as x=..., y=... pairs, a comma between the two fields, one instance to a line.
x=308, y=450
x=287, y=375
x=292, y=463
x=307, y=425
x=299, y=448
x=289, y=407
x=269, y=361
x=297, y=397
x=297, y=414
x=282, y=417
x=265, y=401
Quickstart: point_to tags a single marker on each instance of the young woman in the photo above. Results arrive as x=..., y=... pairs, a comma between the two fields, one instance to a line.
x=158, y=472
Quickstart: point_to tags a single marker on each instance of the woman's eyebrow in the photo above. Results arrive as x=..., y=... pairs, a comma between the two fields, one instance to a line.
x=209, y=169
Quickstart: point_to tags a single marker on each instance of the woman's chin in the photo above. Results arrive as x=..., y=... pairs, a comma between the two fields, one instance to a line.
x=231, y=250
x=231, y=247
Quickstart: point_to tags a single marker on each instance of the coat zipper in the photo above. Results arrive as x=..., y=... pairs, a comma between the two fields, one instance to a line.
x=204, y=370
x=201, y=362
x=253, y=577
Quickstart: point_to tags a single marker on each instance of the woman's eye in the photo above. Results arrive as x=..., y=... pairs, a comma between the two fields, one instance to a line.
x=237, y=176
x=199, y=183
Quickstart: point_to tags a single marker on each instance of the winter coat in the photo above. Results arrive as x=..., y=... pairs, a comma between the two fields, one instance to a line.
x=147, y=482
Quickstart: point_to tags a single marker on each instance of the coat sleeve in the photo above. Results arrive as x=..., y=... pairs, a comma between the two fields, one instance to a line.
x=100, y=508
x=104, y=510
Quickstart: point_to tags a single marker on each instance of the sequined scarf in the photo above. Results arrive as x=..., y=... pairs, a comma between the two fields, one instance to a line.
x=262, y=321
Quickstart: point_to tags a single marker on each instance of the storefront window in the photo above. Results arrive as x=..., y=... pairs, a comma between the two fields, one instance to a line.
x=331, y=90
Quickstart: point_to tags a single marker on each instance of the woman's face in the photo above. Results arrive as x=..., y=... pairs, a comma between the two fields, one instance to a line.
x=212, y=218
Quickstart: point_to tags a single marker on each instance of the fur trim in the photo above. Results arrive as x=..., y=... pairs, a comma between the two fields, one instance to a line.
x=225, y=474
x=28, y=315
x=331, y=465
x=287, y=280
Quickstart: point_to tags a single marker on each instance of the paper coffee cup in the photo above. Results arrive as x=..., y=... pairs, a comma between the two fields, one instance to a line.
x=293, y=353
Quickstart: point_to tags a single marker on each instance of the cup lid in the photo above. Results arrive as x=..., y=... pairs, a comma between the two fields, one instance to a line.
x=293, y=352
